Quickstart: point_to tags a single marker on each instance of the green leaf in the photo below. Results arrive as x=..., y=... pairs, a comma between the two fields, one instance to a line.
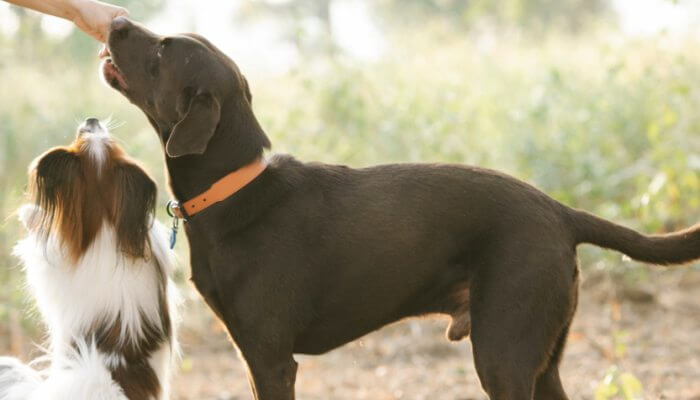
x=607, y=388
x=606, y=391
x=631, y=386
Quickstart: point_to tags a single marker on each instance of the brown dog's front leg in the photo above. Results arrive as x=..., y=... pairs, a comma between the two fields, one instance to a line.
x=272, y=380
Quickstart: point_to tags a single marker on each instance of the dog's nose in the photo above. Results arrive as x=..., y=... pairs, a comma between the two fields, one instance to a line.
x=92, y=121
x=120, y=23
x=91, y=125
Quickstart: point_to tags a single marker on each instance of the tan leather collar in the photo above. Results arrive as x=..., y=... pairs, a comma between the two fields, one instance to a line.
x=220, y=190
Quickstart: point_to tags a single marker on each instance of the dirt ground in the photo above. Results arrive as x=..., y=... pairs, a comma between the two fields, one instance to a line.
x=657, y=321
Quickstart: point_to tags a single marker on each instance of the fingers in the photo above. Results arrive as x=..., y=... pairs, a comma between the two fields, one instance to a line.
x=95, y=18
x=102, y=32
x=104, y=52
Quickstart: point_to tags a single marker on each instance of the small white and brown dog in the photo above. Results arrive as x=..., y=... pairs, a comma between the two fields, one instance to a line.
x=98, y=266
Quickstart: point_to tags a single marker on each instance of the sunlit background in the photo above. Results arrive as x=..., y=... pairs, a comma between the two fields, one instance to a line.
x=596, y=102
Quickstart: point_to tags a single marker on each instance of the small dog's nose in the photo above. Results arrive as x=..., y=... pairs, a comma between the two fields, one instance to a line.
x=92, y=121
x=120, y=23
x=91, y=125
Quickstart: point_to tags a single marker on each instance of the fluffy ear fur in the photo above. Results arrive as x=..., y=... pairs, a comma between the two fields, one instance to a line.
x=134, y=207
x=30, y=216
x=59, y=188
x=192, y=133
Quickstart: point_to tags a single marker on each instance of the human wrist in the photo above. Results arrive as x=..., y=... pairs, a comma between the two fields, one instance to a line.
x=71, y=8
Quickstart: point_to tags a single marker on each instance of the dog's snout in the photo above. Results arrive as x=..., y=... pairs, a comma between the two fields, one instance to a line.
x=91, y=125
x=92, y=121
x=120, y=27
x=120, y=23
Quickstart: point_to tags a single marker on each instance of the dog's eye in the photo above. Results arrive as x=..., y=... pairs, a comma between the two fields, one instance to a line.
x=153, y=66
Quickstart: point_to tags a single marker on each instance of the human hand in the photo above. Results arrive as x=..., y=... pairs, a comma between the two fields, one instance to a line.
x=95, y=17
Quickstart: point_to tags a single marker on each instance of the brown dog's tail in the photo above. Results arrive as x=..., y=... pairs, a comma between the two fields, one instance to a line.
x=673, y=248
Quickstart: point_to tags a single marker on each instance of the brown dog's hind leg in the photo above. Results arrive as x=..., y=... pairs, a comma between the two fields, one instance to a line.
x=519, y=311
x=548, y=385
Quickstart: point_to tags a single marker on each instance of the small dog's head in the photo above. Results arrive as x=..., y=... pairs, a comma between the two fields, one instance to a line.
x=182, y=83
x=79, y=188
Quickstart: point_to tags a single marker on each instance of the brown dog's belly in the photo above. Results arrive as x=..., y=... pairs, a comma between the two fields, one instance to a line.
x=452, y=300
x=324, y=339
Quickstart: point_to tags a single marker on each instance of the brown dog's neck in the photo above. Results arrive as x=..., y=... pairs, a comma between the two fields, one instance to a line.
x=282, y=176
x=238, y=141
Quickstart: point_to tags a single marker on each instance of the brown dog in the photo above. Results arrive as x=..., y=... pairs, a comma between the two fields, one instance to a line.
x=309, y=256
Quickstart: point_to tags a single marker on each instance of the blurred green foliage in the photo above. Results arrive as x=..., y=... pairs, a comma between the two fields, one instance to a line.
x=619, y=385
x=609, y=128
x=533, y=16
x=308, y=24
x=598, y=121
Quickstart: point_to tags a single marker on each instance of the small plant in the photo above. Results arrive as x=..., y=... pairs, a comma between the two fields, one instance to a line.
x=617, y=383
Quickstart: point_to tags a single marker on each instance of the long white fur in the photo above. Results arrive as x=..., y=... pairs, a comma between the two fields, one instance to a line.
x=81, y=374
x=17, y=381
x=72, y=298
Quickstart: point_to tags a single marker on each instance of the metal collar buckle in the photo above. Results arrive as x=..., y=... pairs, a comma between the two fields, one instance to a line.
x=174, y=211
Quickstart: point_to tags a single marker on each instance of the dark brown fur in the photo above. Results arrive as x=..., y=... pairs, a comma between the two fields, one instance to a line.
x=310, y=256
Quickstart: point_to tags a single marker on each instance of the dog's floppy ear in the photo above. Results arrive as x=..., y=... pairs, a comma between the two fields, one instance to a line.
x=30, y=216
x=201, y=113
x=59, y=188
x=133, y=209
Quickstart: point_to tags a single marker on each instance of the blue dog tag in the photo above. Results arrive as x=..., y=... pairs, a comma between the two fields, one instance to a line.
x=173, y=232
